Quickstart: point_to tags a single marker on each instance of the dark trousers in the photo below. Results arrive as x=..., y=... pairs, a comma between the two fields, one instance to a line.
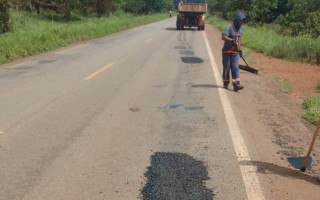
x=230, y=61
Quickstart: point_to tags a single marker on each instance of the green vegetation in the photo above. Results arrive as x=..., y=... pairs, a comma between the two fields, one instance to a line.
x=312, y=109
x=318, y=87
x=266, y=39
x=272, y=22
x=4, y=16
x=217, y=22
x=285, y=85
x=99, y=7
x=301, y=17
x=296, y=17
x=32, y=33
x=35, y=26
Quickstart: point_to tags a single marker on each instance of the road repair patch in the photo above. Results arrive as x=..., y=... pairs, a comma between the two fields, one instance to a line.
x=192, y=60
x=176, y=176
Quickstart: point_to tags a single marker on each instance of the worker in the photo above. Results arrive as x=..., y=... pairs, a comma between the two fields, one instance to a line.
x=231, y=51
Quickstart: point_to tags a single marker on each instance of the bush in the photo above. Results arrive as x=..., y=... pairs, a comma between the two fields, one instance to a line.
x=318, y=87
x=119, y=13
x=135, y=6
x=4, y=16
x=296, y=16
x=312, y=109
x=302, y=17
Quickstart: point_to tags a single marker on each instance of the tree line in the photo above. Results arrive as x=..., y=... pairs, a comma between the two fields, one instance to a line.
x=101, y=7
x=296, y=17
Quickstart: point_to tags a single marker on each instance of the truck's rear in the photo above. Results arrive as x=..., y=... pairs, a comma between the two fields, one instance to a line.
x=191, y=13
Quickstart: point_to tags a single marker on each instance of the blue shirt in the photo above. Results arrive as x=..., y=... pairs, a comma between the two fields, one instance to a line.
x=229, y=32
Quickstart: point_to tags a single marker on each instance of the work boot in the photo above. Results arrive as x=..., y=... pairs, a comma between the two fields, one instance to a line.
x=237, y=87
x=225, y=86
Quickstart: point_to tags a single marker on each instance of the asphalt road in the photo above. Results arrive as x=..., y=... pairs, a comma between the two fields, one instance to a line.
x=135, y=115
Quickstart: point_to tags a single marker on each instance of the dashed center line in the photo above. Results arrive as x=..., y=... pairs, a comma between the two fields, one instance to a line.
x=147, y=41
x=98, y=71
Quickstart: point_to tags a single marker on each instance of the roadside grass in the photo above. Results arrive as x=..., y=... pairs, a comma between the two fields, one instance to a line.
x=32, y=33
x=285, y=85
x=312, y=109
x=266, y=40
x=246, y=51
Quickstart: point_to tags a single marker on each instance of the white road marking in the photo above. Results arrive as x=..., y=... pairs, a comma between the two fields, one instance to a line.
x=249, y=175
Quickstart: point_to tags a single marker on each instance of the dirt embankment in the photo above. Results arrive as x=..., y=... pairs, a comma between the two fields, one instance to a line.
x=303, y=77
x=279, y=117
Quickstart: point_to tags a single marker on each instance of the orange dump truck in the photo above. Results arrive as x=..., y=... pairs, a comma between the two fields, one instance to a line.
x=191, y=13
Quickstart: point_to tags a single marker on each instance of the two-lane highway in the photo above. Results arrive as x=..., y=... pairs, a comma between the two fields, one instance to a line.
x=135, y=115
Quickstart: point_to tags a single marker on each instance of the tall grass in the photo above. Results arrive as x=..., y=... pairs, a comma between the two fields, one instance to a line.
x=285, y=85
x=32, y=33
x=312, y=109
x=266, y=40
x=318, y=87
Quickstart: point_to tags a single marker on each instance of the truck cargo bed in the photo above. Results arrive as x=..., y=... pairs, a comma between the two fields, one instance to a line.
x=192, y=8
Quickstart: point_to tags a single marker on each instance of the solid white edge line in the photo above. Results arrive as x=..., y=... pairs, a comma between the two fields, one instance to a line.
x=248, y=172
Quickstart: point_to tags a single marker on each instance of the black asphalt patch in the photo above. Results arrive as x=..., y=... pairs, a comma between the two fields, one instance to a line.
x=191, y=60
x=176, y=176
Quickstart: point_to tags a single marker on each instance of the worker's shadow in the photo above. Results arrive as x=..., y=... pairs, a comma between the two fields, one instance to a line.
x=269, y=168
x=206, y=86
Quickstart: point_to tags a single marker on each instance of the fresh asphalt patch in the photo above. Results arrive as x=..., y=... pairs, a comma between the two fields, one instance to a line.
x=191, y=60
x=176, y=176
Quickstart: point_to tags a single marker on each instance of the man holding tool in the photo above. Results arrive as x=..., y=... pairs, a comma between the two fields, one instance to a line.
x=231, y=51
